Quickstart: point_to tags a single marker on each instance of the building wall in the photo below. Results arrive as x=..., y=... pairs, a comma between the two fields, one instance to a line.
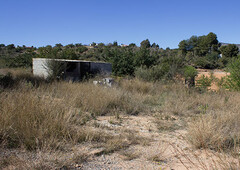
x=39, y=67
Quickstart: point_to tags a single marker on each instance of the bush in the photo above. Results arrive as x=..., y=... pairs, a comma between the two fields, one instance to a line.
x=6, y=80
x=155, y=73
x=22, y=60
x=219, y=131
x=233, y=80
x=189, y=74
x=55, y=69
x=204, y=82
x=9, y=81
x=28, y=120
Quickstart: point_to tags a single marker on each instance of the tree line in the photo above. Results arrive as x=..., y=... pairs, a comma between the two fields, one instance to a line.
x=149, y=59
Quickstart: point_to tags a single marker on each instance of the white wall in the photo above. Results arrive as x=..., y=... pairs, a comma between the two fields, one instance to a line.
x=39, y=67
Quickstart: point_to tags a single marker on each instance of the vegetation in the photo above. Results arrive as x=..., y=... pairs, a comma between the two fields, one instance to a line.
x=198, y=51
x=190, y=73
x=54, y=124
x=233, y=80
x=55, y=116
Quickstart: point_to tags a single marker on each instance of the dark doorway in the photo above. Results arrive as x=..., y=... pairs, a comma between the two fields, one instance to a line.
x=84, y=70
x=72, y=71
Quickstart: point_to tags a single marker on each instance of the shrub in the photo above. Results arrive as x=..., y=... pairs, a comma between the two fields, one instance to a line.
x=190, y=73
x=219, y=131
x=204, y=82
x=29, y=120
x=155, y=73
x=136, y=85
x=233, y=80
x=6, y=80
x=55, y=69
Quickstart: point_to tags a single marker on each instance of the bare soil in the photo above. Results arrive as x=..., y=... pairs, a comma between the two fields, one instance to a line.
x=219, y=74
x=165, y=150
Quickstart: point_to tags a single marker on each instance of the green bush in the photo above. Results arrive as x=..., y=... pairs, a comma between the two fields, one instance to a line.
x=155, y=73
x=233, y=80
x=189, y=74
x=204, y=82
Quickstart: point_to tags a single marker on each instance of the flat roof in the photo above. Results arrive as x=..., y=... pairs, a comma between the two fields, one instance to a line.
x=70, y=60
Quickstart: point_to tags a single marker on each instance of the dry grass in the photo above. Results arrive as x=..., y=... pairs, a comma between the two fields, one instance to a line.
x=218, y=127
x=129, y=155
x=206, y=159
x=34, y=121
x=50, y=116
x=219, y=131
x=138, y=86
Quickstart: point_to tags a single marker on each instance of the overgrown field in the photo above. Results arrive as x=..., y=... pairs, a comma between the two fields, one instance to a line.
x=47, y=120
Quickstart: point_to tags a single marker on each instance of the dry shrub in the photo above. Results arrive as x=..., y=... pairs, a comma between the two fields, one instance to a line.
x=13, y=162
x=28, y=119
x=206, y=159
x=53, y=114
x=218, y=131
x=97, y=100
x=129, y=155
x=137, y=86
x=218, y=127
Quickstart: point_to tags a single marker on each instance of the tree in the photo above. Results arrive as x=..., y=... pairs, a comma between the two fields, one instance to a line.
x=10, y=46
x=182, y=46
x=122, y=61
x=93, y=44
x=145, y=44
x=115, y=43
x=101, y=45
x=229, y=51
x=190, y=73
x=154, y=45
x=78, y=44
x=70, y=46
x=143, y=58
x=132, y=45
x=82, y=49
x=233, y=80
x=59, y=45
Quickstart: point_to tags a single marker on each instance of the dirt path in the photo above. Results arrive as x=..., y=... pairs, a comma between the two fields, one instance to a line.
x=164, y=151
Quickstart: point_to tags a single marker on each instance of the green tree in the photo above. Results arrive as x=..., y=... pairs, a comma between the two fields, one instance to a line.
x=233, y=80
x=82, y=49
x=182, y=46
x=229, y=51
x=115, y=44
x=154, y=45
x=59, y=45
x=189, y=74
x=122, y=61
x=145, y=44
x=143, y=58
x=132, y=45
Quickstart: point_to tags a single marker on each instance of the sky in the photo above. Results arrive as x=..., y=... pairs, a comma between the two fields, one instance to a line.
x=165, y=22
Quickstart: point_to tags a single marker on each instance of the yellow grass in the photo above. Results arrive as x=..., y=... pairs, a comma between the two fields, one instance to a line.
x=50, y=116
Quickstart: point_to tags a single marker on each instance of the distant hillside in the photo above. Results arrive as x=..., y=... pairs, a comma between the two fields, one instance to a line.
x=224, y=44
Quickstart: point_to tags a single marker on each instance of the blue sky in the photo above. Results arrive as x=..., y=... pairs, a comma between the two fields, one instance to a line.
x=166, y=22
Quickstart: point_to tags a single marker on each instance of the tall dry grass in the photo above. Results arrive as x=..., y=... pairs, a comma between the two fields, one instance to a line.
x=33, y=121
x=51, y=114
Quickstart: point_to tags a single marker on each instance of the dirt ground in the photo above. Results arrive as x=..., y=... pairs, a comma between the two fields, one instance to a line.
x=165, y=150
x=219, y=74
